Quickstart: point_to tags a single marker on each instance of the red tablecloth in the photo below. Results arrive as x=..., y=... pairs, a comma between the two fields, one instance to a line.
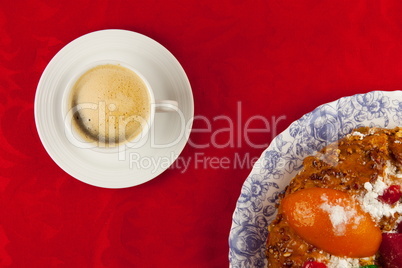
x=273, y=59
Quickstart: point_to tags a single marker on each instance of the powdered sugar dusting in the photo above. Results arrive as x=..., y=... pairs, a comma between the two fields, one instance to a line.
x=343, y=262
x=358, y=134
x=370, y=202
x=390, y=170
x=340, y=216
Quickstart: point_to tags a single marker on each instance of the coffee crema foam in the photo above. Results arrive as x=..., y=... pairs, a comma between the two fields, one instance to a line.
x=111, y=105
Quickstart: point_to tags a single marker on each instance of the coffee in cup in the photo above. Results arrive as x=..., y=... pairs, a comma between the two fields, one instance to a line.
x=110, y=104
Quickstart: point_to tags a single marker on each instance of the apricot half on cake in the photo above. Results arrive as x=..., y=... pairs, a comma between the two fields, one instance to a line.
x=332, y=221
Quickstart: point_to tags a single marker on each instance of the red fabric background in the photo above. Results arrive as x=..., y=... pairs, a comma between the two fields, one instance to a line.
x=271, y=58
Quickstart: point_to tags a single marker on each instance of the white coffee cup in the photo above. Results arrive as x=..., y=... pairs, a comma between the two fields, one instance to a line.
x=77, y=131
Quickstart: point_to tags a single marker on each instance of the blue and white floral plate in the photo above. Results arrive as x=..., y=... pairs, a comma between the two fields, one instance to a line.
x=281, y=161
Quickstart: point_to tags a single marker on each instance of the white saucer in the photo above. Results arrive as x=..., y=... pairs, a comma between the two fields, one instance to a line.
x=168, y=136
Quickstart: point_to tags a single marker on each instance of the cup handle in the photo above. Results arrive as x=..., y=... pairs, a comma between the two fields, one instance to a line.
x=166, y=106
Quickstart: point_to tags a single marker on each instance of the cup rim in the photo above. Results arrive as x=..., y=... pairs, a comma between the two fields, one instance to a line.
x=75, y=138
